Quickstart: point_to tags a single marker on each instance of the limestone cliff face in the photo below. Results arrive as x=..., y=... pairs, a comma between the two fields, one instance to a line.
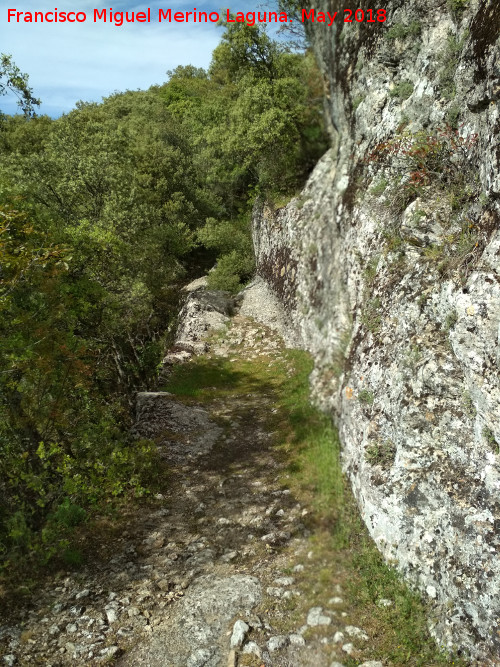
x=388, y=265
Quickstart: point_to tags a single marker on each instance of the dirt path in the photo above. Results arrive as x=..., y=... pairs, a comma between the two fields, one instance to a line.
x=229, y=564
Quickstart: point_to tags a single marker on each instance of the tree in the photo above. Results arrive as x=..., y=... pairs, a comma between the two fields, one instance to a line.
x=13, y=80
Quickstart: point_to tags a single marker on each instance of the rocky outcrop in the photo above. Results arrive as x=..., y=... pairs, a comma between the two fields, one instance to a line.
x=388, y=268
x=204, y=311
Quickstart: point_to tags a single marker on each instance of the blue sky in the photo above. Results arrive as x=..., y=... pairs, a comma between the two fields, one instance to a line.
x=68, y=62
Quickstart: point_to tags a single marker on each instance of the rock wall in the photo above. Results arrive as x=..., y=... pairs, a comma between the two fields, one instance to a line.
x=388, y=266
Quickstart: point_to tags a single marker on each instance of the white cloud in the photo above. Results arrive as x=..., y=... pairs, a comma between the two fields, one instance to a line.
x=68, y=62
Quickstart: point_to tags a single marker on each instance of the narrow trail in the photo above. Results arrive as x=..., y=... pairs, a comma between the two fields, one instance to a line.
x=227, y=565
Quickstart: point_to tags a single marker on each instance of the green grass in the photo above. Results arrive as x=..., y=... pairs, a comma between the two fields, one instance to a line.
x=312, y=444
x=457, y=6
x=366, y=396
x=381, y=453
x=357, y=101
x=197, y=379
x=371, y=317
x=402, y=90
x=490, y=439
x=380, y=188
x=402, y=31
x=370, y=270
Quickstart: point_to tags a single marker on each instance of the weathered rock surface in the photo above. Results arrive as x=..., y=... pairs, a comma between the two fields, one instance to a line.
x=194, y=631
x=204, y=311
x=397, y=295
x=182, y=432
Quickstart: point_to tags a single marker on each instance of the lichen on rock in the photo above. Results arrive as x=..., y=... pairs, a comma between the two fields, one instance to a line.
x=396, y=292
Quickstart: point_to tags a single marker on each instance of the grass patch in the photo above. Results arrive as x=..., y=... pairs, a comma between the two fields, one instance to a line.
x=370, y=271
x=357, y=101
x=402, y=31
x=401, y=628
x=489, y=436
x=381, y=453
x=371, y=317
x=380, y=188
x=199, y=378
x=366, y=396
x=311, y=444
x=402, y=90
x=449, y=63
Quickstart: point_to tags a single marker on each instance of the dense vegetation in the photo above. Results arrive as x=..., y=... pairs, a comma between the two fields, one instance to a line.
x=104, y=213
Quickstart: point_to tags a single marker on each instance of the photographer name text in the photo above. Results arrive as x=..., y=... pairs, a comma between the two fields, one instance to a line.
x=171, y=16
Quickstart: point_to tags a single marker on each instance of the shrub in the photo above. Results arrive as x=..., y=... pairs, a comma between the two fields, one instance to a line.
x=402, y=90
x=402, y=31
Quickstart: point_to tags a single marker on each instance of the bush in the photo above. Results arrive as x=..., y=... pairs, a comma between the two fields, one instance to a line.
x=402, y=90
x=402, y=31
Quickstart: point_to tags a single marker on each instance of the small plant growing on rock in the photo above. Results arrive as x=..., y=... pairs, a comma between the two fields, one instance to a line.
x=401, y=31
x=489, y=436
x=468, y=405
x=301, y=200
x=370, y=271
x=452, y=116
x=451, y=320
x=339, y=354
x=366, y=396
x=380, y=188
x=413, y=356
x=422, y=163
x=402, y=90
x=371, y=317
x=449, y=58
x=381, y=453
x=457, y=6
x=357, y=101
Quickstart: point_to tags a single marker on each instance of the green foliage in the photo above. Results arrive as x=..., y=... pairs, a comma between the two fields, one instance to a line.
x=402, y=31
x=451, y=320
x=449, y=63
x=357, y=101
x=402, y=90
x=380, y=188
x=457, y=6
x=489, y=436
x=381, y=453
x=370, y=270
x=366, y=396
x=452, y=115
x=371, y=316
x=233, y=243
x=106, y=210
x=267, y=99
x=13, y=80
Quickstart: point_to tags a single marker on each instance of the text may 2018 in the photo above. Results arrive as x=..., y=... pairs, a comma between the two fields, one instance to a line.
x=119, y=18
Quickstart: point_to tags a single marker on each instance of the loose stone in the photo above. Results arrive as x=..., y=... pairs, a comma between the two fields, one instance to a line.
x=240, y=631
x=278, y=642
x=316, y=617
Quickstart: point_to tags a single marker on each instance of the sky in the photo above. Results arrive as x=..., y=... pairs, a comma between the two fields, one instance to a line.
x=67, y=62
